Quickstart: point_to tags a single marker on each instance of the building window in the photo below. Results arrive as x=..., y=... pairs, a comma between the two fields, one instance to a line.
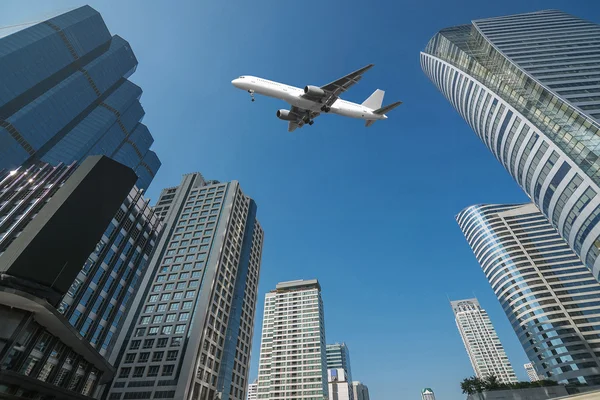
x=148, y=343
x=138, y=372
x=153, y=370
x=144, y=357
x=153, y=330
x=184, y=316
x=157, y=356
x=129, y=358
x=174, y=307
x=167, y=330
x=124, y=372
x=176, y=341
x=168, y=370
x=170, y=317
x=140, y=332
x=162, y=342
x=172, y=355
x=179, y=329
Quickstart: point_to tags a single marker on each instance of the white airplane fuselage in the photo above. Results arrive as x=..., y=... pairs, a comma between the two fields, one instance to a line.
x=293, y=96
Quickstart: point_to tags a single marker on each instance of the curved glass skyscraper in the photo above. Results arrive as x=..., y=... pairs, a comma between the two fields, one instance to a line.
x=549, y=296
x=529, y=86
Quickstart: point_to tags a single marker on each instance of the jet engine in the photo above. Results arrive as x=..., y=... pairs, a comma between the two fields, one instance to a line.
x=286, y=115
x=314, y=91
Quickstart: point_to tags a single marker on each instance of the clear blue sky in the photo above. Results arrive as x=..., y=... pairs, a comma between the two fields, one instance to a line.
x=369, y=212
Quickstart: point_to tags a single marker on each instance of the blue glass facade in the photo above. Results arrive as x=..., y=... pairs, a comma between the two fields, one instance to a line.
x=64, y=95
x=548, y=295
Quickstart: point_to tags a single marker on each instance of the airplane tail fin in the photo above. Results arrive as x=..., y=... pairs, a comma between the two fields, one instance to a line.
x=387, y=108
x=375, y=100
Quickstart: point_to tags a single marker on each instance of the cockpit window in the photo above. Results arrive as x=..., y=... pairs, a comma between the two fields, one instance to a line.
x=242, y=77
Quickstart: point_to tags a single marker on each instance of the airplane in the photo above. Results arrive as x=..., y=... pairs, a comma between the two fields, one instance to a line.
x=309, y=103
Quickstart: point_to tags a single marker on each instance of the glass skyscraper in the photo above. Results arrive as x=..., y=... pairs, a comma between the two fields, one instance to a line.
x=481, y=341
x=529, y=86
x=64, y=95
x=550, y=298
x=190, y=332
x=293, y=358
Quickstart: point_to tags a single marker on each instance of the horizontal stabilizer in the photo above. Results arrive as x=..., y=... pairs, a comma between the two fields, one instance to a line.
x=375, y=100
x=387, y=109
x=370, y=122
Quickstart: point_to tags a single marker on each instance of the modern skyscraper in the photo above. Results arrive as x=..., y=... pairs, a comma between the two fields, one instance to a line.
x=50, y=220
x=340, y=388
x=528, y=86
x=481, y=341
x=338, y=356
x=548, y=295
x=191, y=331
x=427, y=394
x=253, y=390
x=531, y=373
x=293, y=360
x=64, y=95
x=99, y=297
x=360, y=391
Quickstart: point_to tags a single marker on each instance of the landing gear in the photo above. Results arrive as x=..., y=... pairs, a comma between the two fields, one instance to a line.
x=325, y=109
x=251, y=94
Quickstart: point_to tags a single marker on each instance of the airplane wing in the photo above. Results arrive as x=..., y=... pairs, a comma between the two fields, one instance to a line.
x=334, y=89
x=300, y=113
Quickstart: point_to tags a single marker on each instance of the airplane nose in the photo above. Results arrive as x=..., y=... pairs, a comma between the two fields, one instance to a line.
x=236, y=82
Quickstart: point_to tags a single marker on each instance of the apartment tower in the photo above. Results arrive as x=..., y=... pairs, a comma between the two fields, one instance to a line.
x=293, y=360
x=483, y=346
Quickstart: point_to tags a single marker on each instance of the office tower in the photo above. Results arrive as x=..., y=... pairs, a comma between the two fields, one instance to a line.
x=191, y=330
x=99, y=297
x=64, y=95
x=293, y=360
x=531, y=373
x=338, y=356
x=546, y=292
x=528, y=86
x=253, y=390
x=50, y=220
x=360, y=391
x=427, y=394
x=481, y=341
x=340, y=388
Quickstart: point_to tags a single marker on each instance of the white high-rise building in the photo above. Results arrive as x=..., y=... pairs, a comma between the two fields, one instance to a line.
x=481, y=341
x=533, y=376
x=252, y=390
x=338, y=385
x=427, y=394
x=293, y=363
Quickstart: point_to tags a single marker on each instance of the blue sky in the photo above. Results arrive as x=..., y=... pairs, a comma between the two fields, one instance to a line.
x=369, y=212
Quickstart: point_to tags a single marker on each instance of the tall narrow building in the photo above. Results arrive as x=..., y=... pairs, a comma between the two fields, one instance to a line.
x=64, y=95
x=528, y=85
x=360, y=391
x=531, y=373
x=339, y=387
x=191, y=331
x=253, y=391
x=548, y=295
x=338, y=356
x=427, y=394
x=293, y=359
x=483, y=346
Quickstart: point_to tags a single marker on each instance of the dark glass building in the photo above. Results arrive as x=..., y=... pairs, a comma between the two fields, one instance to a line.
x=50, y=220
x=64, y=95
